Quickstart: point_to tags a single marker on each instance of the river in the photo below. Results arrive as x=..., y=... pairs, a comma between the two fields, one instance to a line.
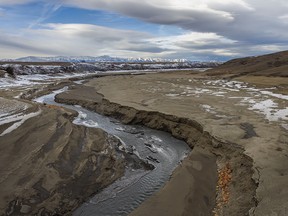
x=159, y=148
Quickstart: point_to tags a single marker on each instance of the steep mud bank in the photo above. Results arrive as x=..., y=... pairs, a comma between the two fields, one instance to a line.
x=236, y=189
x=49, y=166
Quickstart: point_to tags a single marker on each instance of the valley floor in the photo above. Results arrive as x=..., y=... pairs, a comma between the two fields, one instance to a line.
x=248, y=116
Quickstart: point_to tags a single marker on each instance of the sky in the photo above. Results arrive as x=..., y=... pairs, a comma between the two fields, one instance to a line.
x=171, y=29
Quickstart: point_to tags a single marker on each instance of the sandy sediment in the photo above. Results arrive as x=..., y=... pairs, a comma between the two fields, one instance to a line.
x=190, y=191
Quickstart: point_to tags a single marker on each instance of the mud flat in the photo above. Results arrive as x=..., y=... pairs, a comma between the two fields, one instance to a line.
x=243, y=124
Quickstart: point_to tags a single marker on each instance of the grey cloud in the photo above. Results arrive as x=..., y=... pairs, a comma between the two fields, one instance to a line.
x=253, y=21
x=14, y=43
x=148, y=12
x=240, y=28
x=79, y=39
x=149, y=49
x=212, y=44
x=209, y=54
x=145, y=46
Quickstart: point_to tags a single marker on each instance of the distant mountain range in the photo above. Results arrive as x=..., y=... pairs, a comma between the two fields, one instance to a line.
x=104, y=58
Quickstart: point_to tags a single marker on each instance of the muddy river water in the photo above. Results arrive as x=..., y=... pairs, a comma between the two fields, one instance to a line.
x=159, y=148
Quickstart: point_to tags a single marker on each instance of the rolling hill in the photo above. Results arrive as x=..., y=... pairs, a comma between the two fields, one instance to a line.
x=275, y=64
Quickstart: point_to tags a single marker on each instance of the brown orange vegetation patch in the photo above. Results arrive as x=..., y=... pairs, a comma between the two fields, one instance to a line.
x=224, y=180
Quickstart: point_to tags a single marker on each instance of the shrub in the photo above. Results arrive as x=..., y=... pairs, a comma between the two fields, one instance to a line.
x=10, y=71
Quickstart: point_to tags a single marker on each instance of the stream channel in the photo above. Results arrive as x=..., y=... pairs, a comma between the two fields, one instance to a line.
x=127, y=193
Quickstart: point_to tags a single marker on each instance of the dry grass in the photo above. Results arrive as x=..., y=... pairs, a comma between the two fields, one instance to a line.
x=275, y=64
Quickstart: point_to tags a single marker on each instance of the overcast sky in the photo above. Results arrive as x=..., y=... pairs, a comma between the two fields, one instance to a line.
x=191, y=29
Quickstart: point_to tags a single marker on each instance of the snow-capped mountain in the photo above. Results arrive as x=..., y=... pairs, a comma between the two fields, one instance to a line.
x=71, y=59
x=73, y=64
x=18, y=68
x=104, y=58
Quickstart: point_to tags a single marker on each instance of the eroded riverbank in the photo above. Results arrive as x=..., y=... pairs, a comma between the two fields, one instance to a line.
x=76, y=182
x=155, y=147
x=228, y=154
x=50, y=166
x=252, y=116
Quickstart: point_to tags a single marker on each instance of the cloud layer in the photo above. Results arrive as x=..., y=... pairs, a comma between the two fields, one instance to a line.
x=211, y=29
x=234, y=19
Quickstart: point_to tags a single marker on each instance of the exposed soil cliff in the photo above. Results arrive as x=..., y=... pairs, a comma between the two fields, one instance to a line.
x=49, y=166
